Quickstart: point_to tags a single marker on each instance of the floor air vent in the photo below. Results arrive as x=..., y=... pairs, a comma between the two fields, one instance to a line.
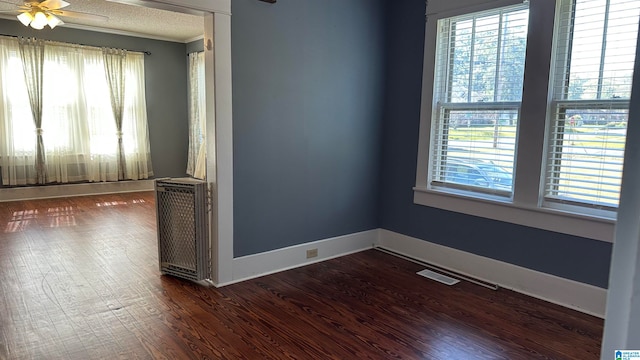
x=438, y=277
x=183, y=241
x=440, y=270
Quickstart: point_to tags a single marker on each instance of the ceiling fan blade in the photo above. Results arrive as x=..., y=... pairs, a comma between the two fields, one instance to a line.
x=53, y=4
x=79, y=15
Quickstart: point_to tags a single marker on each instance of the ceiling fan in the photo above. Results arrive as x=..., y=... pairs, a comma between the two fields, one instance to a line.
x=38, y=14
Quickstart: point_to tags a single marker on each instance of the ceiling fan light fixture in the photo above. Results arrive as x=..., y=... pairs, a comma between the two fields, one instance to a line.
x=53, y=21
x=39, y=14
x=39, y=21
x=25, y=18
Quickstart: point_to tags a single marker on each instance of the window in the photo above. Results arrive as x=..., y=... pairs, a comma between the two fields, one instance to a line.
x=478, y=88
x=17, y=104
x=595, y=53
x=524, y=111
x=80, y=137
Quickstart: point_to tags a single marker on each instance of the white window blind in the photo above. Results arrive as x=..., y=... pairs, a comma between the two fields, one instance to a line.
x=595, y=52
x=477, y=92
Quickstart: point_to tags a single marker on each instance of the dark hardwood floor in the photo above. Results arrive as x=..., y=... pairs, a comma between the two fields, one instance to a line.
x=79, y=279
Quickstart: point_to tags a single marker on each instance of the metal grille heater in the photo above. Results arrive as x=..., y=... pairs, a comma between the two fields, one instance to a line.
x=183, y=241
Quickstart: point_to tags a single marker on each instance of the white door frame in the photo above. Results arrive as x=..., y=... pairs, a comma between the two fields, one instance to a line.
x=217, y=47
x=219, y=127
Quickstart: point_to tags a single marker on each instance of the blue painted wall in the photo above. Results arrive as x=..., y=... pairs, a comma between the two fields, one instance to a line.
x=311, y=80
x=566, y=256
x=195, y=46
x=307, y=111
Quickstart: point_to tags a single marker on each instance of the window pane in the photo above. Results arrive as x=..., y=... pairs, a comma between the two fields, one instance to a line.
x=620, y=53
x=588, y=156
x=101, y=124
x=512, y=54
x=23, y=132
x=485, y=52
x=461, y=65
x=591, y=101
x=478, y=88
x=479, y=142
x=60, y=85
x=586, y=42
x=602, y=49
x=487, y=56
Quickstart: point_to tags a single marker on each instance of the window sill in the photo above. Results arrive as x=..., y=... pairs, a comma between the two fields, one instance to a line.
x=592, y=227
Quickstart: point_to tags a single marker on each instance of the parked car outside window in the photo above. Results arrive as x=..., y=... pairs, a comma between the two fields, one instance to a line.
x=478, y=173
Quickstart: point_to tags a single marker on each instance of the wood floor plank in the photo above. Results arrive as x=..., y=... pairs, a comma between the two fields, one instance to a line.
x=79, y=279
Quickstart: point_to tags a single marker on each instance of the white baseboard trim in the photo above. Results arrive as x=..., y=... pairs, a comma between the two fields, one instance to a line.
x=585, y=298
x=68, y=190
x=253, y=266
x=582, y=297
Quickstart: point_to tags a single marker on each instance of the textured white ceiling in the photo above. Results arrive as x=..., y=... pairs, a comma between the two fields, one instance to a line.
x=129, y=19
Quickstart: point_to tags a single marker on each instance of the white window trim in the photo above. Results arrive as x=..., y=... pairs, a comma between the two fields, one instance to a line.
x=525, y=207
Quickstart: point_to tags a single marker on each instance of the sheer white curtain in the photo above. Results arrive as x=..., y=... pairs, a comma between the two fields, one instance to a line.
x=65, y=129
x=32, y=56
x=114, y=72
x=79, y=133
x=135, y=131
x=18, y=137
x=196, y=164
x=102, y=165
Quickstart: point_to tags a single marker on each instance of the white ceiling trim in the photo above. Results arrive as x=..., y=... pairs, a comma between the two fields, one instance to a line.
x=201, y=37
x=211, y=6
x=160, y=6
x=193, y=7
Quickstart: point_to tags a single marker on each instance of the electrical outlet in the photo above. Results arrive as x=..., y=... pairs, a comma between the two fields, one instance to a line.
x=312, y=253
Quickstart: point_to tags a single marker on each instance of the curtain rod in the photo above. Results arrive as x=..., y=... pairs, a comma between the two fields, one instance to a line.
x=16, y=36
